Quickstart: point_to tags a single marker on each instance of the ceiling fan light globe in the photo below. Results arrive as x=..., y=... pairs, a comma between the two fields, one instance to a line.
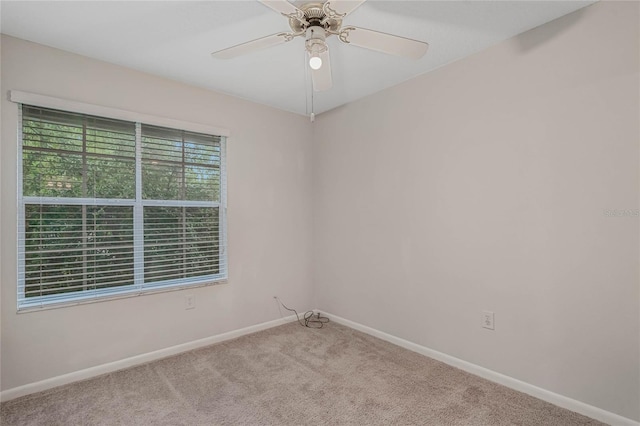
x=315, y=62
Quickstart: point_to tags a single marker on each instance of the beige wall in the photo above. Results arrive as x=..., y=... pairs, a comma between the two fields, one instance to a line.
x=269, y=217
x=482, y=186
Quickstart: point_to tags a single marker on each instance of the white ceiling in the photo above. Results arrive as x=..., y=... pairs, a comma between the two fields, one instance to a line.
x=174, y=39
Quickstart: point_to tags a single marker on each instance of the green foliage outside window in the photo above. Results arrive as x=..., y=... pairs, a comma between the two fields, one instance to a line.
x=79, y=189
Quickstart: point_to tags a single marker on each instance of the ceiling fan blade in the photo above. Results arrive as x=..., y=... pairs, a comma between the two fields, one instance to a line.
x=251, y=46
x=281, y=6
x=322, y=77
x=383, y=42
x=344, y=7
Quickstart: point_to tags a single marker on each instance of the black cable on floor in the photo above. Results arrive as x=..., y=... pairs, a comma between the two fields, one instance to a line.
x=309, y=319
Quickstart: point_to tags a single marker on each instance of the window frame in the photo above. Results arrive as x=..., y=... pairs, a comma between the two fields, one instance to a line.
x=24, y=304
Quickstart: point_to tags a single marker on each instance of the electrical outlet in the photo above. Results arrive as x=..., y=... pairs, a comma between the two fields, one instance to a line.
x=488, y=320
x=189, y=301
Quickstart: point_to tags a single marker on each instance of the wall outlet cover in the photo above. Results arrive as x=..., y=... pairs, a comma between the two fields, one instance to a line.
x=189, y=301
x=488, y=318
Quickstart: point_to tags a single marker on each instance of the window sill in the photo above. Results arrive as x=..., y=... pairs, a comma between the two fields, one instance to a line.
x=38, y=307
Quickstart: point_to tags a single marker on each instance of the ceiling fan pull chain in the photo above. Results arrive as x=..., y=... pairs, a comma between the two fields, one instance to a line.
x=312, y=116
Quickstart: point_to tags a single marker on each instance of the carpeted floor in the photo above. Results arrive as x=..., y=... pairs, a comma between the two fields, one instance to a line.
x=289, y=375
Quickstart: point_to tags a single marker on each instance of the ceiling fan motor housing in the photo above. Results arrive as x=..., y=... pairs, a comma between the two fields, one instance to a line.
x=315, y=16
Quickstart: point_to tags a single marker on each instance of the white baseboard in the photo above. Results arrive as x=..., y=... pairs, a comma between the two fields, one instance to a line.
x=510, y=382
x=110, y=367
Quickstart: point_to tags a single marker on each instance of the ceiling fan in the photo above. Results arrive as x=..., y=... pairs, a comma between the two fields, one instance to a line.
x=315, y=21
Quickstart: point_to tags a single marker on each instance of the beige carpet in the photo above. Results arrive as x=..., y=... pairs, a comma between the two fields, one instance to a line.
x=289, y=375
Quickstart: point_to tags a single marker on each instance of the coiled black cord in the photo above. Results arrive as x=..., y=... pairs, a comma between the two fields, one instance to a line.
x=309, y=319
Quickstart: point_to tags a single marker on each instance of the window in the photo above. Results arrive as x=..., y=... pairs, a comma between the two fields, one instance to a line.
x=110, y=207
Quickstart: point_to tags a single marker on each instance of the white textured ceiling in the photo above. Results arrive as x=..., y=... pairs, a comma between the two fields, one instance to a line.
x=174, y=39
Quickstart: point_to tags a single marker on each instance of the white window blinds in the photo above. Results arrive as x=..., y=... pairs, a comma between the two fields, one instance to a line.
x=109, y=207
x=182, y=234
